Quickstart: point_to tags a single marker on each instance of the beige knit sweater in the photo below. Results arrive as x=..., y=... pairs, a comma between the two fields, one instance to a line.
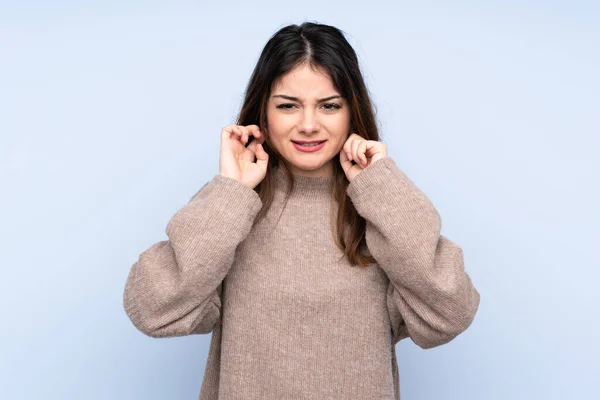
x=288, y=320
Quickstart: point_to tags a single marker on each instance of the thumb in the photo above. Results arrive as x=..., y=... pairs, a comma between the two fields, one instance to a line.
x=262, y=158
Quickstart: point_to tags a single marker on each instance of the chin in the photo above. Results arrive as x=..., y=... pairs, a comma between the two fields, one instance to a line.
x=305, y=167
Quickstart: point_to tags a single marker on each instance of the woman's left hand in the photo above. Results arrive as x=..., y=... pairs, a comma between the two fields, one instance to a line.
x=363, y=152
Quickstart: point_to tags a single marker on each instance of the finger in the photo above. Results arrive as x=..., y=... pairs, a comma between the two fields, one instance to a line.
x=255, y=150
x=348, y=148
x=362, y=151
x=252, y=130
x=262, y=157
x=245, y=135
x=255, y=129
x=345, y=162
x=238, y=132
x=230, y=130
x=355, y=155
x=259, y=134
x=258, y=139
x=252, y=151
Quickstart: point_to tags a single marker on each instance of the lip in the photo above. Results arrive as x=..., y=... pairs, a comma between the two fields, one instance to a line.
x=309, y=149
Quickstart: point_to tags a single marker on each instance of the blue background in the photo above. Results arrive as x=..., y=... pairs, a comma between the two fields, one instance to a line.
x=110, y=119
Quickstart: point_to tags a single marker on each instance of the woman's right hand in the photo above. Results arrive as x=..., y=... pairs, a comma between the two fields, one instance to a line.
x=237, y=161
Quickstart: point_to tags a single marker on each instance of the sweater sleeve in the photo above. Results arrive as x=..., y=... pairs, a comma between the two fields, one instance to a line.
x=431, y=298
x=174, y=288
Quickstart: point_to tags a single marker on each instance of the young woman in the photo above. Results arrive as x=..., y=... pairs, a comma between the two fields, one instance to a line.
x=310, y=254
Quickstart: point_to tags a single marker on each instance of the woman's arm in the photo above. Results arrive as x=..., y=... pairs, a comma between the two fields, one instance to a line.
x=174, y=287
x=431, y=298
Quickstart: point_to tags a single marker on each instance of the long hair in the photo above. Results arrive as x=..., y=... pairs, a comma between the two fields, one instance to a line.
x=320, y=47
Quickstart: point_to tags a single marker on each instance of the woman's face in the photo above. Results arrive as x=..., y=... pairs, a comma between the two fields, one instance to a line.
x=302, y=108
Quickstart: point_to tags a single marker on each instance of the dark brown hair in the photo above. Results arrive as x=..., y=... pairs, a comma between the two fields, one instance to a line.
x=322, y=47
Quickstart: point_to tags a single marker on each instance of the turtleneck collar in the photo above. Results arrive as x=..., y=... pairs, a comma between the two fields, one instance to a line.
x=305, y=187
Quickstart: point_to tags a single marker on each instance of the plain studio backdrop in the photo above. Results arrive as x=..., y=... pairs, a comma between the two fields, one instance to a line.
x=110, y=120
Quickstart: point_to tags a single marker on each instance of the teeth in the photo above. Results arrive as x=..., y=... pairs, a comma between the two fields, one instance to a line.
x=310, y=144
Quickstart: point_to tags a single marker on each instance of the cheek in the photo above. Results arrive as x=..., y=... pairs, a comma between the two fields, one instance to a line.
x=341, y=125
x=340, y=145
x=277, y=122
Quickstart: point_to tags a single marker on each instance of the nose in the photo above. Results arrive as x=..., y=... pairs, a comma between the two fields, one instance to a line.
x=309, y=122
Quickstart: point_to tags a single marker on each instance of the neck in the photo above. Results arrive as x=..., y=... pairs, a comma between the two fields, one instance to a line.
x=304, y=186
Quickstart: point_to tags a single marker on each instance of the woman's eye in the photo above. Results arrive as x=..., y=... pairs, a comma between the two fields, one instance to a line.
x=332, y=106
x=285, y=106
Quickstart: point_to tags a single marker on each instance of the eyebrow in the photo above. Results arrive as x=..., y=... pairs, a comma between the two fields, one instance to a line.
x=283, y=96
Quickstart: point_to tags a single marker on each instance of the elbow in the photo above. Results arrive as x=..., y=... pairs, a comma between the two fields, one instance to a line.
x=148, y=315
x=162, y=325
x=431, y=342
x=437, y=338
x=456, y=325
x=143, y=317
x=154, y=323
x=155, y=327
x=138, y=315
x=431, y=339
x=143, y=322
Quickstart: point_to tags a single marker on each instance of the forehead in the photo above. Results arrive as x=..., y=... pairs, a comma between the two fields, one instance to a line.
x=303, y=81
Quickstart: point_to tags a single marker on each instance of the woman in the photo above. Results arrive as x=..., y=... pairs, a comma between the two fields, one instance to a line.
x=308, y=263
